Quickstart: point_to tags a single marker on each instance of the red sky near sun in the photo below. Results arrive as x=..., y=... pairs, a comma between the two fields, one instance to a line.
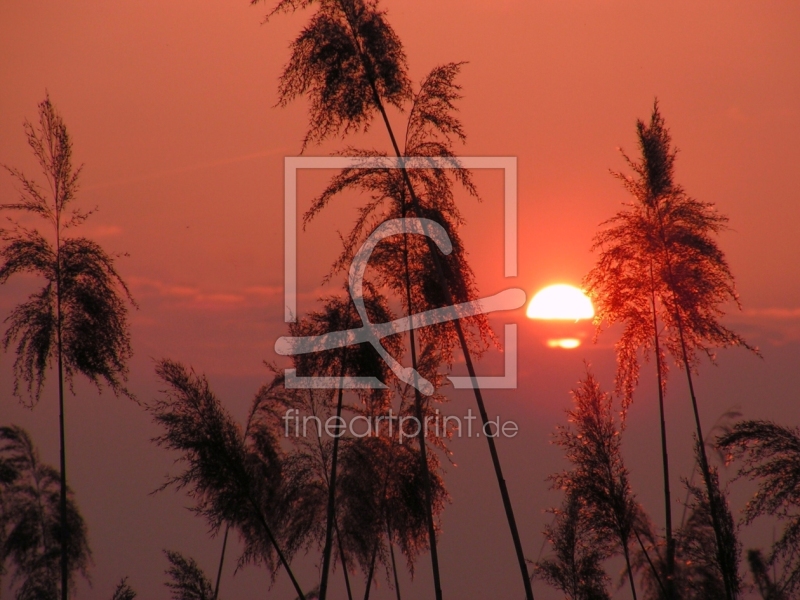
x=171, y=109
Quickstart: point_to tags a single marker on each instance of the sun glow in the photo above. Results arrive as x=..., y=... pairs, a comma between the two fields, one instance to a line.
x=566, y=343
x=560, y=301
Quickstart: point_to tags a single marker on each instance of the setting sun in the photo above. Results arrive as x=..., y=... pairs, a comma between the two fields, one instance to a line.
x=566, y=343
x=560, y=301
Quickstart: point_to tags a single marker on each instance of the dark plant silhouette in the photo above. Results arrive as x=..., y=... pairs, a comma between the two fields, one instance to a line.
x=79, y=317
x=123, y=591
x=576, y=567
x=698, y=573
x=221, y=561
x=598, y=476
x=377, y=475
x=722, y=426
x=430, y=128
x=8, y=474
x=703, y=570
x=338, y=314
x=661, y=274
x=649, y=558
x=308, y=462
x=770, y=456
x=349, y=61
x=231, y=479
x=350, y=64
x=187, y=579
x=759, y=567
x=30, y=522
x=384, y=500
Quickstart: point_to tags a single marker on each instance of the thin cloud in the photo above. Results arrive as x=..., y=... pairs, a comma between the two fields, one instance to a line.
x=183, y=295
x=776, y=326
x=773, y=313
x=105, y=231
x=187, y=169
x=264, y=290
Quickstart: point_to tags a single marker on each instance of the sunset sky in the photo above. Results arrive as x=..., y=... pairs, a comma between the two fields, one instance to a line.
x=170, y=106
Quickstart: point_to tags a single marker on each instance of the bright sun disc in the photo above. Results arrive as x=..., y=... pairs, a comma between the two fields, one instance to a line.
x=566, y=343
x=560, y=301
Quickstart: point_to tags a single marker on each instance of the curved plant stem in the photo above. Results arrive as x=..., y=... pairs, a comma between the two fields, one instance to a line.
x=710, y=488
x=394, y=564
x=62, y=443
x=628, y=568
x=422, y=427
x=344, y=562
x=369, y=71
x=326, y=559
x=712, y=493
x=228, y=525
x=371, y=572
x=650, y=562
x=221, y=561
x=368, y=68
x=274, y=543
x=670, y=587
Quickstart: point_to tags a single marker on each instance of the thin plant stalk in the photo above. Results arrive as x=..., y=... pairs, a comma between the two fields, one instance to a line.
x=692, y=279
x=368, y=69
x=715, y=519
x=228, y=525
x=389, y=534
x=297, y=79
x=344, y=563
x=598, y=477
x=709, y=439
x=626, y=552
x=394, y=564
x=221, y=560
x=87, y=288
x=274, y=543
x=326, y=559
x=712, y=504
x=650, y=561
x=194, y=417
x=423, y=456
x=670, y=588
x=371, y=571
x=459, y=331
x=331, y=524
x=62, y=442
x=625, y=544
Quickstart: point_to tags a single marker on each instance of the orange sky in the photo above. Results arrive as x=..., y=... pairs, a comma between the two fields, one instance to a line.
x=170, y=106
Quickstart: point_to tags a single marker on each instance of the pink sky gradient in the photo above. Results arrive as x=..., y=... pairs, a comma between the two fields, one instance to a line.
x=170, y=107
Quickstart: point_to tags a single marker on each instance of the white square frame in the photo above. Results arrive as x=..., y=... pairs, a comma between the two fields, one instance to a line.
x=508, y=164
